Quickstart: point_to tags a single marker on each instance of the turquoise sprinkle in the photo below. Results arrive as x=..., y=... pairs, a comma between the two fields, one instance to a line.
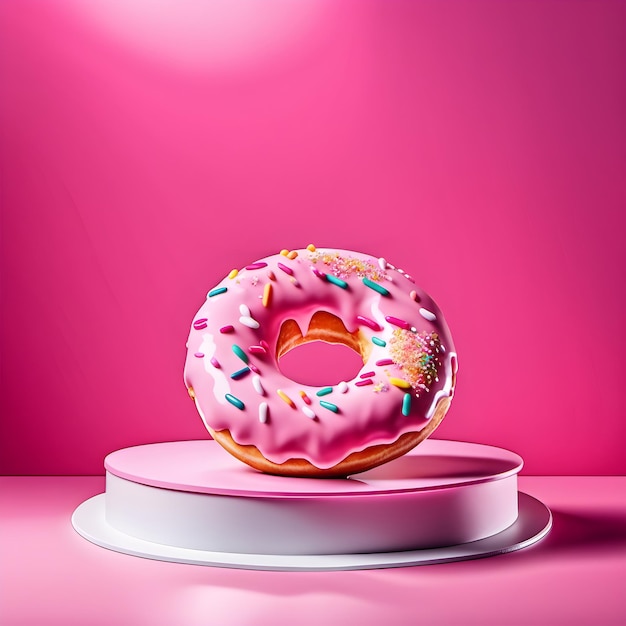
x=379, y=342
x=235, y=402
x=239, y=373
x=217, y=291
x=336, y=281
x=324, y=391
x=406, y=404
x=330, y=406
x=240, y=353
x=375, y=286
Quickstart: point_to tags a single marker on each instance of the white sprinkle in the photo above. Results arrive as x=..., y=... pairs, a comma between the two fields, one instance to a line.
x=244, y=310
x=258, y=385
x=427, y=315
x=390, y=266
x=442, y=348
x=263, y=412
x=382, y=263
x=249, y=322
x=413, y=329
x=342, y=386
x=399, y=270
x=308, y=412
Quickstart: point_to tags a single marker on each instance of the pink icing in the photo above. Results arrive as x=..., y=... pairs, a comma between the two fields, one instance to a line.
x=367, y=414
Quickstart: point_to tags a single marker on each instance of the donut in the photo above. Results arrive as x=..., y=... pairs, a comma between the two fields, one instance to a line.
x=258, y=313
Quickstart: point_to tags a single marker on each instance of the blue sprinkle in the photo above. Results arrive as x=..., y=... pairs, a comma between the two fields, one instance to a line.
x=217, y=291
x=235, y=402
x=375, y=286
x=406, y=404
x=240, y=373
x=336, y=281
x=379, y=342
x=324, y=391
x=330, y=406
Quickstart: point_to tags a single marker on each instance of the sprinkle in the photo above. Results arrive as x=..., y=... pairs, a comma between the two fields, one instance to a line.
x=285, y=269
x=217, y=291
x=342, y=386
x=292, y=255
x=199, y=355
x=257, y=350
x=191, y=392
x=244, y=310
x=406, y=404
x=227, y=329
x=305, y=397
x=413, y=329
x=384, y=362
x=249, y=322
x=318, y=273
x=267, y=294
x=364, y=382
x=330, y=406
x=284, y=252
x=286, y=398
x=398, y=322
x=235, y=401
x=399, y=382
x=308, y=412
x=263, y=412
x=200, y=324
x=369, y=322
x=427, y=315
x=379, y=342
x=254, y=368
x=256, y=266
x=324, y=391
x=375, y=286
x=264, y=344
x=233, y=273
x=413, y=295
x=258, y=386
x=336, y=281
x=311, y=248
x=271, y=275
x=240, y=373
x=240, y=353
x=367, y=375
x=382, y=263
x=294, y=282
x=215, y=362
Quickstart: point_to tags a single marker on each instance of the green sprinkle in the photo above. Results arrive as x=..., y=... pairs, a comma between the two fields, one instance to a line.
x=324, y=391
x=235, y=402
x=379, y=342
x=336, y=281
x=239, y=373
x=240, y=353
x=330, y=406
x=406, y=404
x=217, y=291
x=375, y=286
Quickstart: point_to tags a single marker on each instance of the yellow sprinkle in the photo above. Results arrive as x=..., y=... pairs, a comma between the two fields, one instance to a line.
x=398, y=382
x=267, y=294
x=286, y=398
x=311, y=248
x=284, y=252
x=292, y=255
x=192, y=393
x=233, y=273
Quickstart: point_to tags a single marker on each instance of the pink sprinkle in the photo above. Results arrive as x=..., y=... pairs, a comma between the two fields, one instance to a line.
x=227, y=329
x=369, y=322
x=257, y=350
x=264, y=344
x=200, y=324
x=215, y=362
x=318, y=273
x=384, y=362
x=367, y=375
x=285, y=269
x=413, y=295
x=271, y=275
x=398, y=322
x=254, y=368
x=199, y=354
x=362, y=383
x=256, y=266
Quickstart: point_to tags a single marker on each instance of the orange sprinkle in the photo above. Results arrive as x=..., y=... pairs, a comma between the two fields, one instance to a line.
x=292, y=255
x=286, y=398
x=305, y=397
x=233, y=273
x=311, y=248
x=192, y=393
x=267, y=294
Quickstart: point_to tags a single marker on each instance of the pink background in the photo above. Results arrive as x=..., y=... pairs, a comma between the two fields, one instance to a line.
x=144, y=153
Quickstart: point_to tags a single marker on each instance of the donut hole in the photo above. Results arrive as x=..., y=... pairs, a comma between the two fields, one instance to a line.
x=327, y=354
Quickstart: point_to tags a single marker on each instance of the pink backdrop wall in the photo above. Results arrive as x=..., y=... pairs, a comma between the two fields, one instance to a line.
x=144, y=153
